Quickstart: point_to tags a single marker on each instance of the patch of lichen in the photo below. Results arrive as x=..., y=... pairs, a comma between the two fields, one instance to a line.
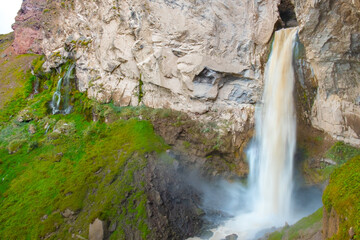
x=68, y=4
x=91, y=168
x=342, y=195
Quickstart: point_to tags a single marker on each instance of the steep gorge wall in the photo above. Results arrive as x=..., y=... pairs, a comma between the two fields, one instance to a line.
x=330, y=31
x=206, y=58
x=194, y=56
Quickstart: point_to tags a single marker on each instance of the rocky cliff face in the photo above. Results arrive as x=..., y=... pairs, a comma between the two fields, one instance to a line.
x=330, y=31
x=205, y=58
x=28, y=27
x=194, y=56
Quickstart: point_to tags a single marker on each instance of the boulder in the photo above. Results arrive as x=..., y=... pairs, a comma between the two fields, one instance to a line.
x=231, y=237
x=32, y=129
x=96, y=230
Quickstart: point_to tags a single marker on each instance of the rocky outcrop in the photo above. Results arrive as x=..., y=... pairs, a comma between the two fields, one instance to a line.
x=28, y=27
x=203, y=58
x=193, y=56
x=173, y=203
x=96, y=230
x=331, y=34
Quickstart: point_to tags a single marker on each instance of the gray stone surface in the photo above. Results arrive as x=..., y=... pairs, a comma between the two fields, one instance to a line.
x=168, y=44
x=96, y=230
x=330, y=32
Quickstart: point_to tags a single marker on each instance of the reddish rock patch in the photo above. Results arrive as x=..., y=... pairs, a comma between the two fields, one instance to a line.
x=28, y=27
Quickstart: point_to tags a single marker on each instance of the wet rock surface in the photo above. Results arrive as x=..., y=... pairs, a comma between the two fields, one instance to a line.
x=203, y=146
x=173, y=206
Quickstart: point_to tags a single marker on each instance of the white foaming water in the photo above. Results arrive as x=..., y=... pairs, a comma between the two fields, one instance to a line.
x=56, y=99
x=272, y=150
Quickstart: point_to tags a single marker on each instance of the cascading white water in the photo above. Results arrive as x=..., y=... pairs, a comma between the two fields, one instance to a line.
x=56, y=99
x=275, y=132
x=272, y=150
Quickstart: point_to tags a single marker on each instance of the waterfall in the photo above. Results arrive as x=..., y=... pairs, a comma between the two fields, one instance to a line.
x=272, y=166
x=63, y=83
x=272, y=150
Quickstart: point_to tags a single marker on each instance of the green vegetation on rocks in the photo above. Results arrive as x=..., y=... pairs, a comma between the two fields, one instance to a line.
x=13, y=69
x=342, y=195
x=323, y=157
x=340, y=153
x=58, y=173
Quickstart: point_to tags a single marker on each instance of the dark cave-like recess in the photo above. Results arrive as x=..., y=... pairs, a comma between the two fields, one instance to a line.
x=287, y=14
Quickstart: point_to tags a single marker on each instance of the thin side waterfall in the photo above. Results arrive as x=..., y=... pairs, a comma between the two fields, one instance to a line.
x=58, y=97
x=272, y=150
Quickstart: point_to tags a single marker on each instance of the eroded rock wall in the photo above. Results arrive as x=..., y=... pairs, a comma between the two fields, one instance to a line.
x=330, y=31
x=28, y=27
x=194, y=56
x=205, y=58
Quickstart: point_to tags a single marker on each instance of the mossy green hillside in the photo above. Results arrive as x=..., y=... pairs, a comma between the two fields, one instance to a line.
x=89, y=171
x=36, y=106
x=14, y=73
x=342, y=195
x=50, y=164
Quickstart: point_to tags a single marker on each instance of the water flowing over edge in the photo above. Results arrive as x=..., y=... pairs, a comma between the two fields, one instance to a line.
x=272, y=150
x=64, y=83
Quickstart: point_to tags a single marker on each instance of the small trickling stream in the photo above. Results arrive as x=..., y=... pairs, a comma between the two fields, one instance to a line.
x=60, y=102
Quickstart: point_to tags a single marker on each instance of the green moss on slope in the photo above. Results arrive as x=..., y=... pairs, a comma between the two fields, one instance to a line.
x=13, y=69
x=342, y=194
x=52, y=164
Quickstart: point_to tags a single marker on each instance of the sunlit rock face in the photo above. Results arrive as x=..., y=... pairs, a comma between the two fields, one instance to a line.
x=193, y=56
x=205, y=58
x=28, y=27
x=330, y=31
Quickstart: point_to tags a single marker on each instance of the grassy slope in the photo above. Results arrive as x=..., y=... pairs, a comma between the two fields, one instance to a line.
x=86, y=167
x=13, y=69
x=342, y=194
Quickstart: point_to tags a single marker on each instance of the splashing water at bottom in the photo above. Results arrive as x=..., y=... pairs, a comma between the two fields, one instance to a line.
x=272, y=151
